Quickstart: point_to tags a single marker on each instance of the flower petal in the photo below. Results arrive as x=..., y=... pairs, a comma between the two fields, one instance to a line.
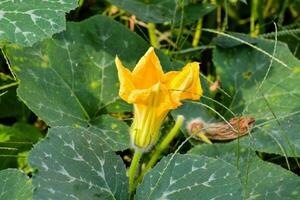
x=157, y=96
x=151, y=106
x=170, y=75
x=126, y=80
x=148, y=71
x=185, y=84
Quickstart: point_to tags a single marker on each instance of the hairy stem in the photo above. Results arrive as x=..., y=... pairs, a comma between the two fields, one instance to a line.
x=132, y=170
x=162, y=146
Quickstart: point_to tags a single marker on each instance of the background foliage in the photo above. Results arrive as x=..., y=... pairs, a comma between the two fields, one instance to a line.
x=64, y=130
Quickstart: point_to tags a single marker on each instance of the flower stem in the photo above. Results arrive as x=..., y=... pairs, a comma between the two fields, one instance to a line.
x=162, y=146
x=202, y=136
x=132, y=170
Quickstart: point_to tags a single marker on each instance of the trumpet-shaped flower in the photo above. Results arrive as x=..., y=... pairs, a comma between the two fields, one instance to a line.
x=154, y=93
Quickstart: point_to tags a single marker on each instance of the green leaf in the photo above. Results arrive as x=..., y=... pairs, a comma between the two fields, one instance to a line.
x=16, y=139
x=268, y=181
x=149, y=11
x=26, y=132
x=226, y=42
x=191, y=110
x=119, y=106
x=244, y=1
x=193, y=12
x=63, y=79
x=192, y=176
x=113, y=132
x=26, y=22
x=75, y=163
x=265, y=89
x=289, y=39
x=70, y=79
x=260, y=179
x=11, y=106
x=19, y=132
x=157, y=11
x=232, y=152
x=14, y=185
x=196, y=109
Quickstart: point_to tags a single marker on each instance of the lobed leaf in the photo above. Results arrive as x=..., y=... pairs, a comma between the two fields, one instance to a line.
x=70, y=79
x=74, y=163
x=26, y=22
x=264, y=87
x=157, y=11
x=260, y=179
x=196, y=177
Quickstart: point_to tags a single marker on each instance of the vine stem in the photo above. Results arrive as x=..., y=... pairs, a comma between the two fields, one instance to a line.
x=162, y=146
x=132, y=170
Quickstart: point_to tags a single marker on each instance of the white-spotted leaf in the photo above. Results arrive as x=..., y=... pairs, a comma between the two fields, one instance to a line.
x=265, y=88
x=73, y=163
x=190, y=176
x=28, y=21
x=260, y=179
x=70, y=79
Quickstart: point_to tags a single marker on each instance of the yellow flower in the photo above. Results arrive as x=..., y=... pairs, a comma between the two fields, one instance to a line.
x=154, y=93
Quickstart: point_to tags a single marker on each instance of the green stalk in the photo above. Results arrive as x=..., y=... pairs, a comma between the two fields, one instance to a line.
x=162, y=146
x=266, y=11
x=3, y=87
x=260, y=17
x=253, y=18
x=198, y=32
x=225, y=21
x=80, y=3
x=219, y=17
x=152, y=36
x=132, y=170
x=202, y=136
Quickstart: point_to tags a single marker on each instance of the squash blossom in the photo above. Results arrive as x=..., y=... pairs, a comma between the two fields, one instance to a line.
x=154, y=93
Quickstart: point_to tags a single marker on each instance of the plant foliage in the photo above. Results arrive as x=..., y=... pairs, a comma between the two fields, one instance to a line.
x=65, y=132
